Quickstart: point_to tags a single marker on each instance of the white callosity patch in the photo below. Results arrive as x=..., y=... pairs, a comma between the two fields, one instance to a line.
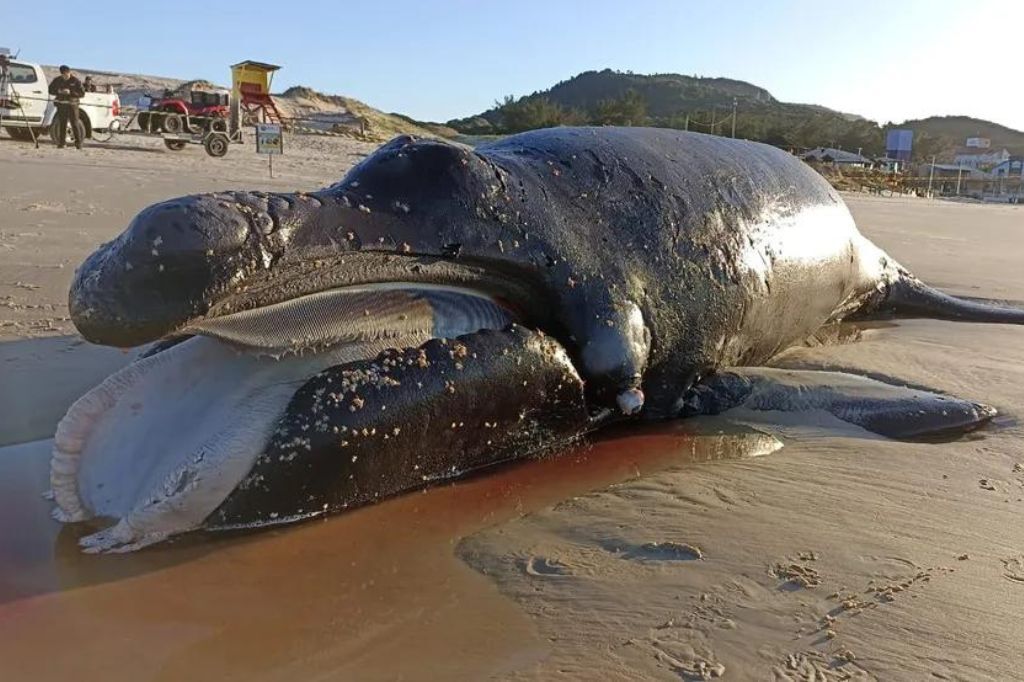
x=161, y=443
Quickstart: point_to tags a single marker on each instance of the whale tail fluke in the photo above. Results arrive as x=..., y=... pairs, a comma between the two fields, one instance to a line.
x=909, y=297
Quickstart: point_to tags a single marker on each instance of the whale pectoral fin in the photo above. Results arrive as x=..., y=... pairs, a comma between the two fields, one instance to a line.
x=885, y=409
x=366, y=430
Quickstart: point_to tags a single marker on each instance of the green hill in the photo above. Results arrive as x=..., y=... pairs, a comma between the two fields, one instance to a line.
x=666, y=95
x=705, y=105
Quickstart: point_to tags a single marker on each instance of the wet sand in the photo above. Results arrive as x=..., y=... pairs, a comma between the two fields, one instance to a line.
x=375, y=594
x=666, y=553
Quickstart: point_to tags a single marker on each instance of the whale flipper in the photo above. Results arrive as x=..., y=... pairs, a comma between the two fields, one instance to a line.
x=888, y=410
x=362, y=431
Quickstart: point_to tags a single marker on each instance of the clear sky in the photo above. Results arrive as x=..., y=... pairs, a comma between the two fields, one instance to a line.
x=437, y=60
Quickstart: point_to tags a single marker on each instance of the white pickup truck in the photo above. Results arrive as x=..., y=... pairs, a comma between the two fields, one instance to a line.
x=28, y=107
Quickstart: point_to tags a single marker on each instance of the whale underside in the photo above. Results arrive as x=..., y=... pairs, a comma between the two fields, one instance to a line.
x=444, y=309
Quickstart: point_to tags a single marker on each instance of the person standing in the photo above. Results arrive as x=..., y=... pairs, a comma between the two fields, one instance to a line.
x=88, y=84
x=67, y=91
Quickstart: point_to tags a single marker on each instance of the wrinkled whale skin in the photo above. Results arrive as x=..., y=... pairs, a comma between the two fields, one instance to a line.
x=658, y=254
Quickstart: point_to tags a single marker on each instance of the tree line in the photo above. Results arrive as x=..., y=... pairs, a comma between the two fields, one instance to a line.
x=516, y=115
x=783, y=125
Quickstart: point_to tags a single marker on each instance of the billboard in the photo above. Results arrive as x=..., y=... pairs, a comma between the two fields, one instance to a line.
x=979, y=142
x=898, y=144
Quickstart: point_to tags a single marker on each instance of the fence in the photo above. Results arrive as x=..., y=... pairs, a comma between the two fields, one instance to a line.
x=880, y=182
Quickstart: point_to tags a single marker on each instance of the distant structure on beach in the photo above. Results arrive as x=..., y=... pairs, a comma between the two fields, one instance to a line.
x=1012, y=167
x=837, y=157
x=898, y=145
x=980, y=156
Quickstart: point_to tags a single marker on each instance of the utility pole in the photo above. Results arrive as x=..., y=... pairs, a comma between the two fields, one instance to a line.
x=959, y=171
x=734, y=117
x=930, y=176
x=686, y=126
x=714, y=110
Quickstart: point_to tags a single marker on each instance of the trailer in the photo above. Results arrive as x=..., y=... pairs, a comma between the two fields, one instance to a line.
x=215, y=138
x=212, y=118
x=215, y=142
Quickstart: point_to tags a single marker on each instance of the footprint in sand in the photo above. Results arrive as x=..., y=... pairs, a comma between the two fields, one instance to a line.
x=46, y=206
x=543, y=567
x=1014, y=569
x=665, y=551
x=794, y=575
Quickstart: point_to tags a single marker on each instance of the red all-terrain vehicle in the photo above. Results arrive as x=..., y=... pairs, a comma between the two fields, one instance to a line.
x=207, y=111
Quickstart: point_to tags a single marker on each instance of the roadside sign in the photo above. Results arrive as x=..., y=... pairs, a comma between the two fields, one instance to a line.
x=269, y=139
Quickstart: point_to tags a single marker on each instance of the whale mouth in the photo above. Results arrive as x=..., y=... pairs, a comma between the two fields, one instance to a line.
x=160, y=444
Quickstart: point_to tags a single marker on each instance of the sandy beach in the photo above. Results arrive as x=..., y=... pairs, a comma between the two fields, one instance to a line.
x=736, y=547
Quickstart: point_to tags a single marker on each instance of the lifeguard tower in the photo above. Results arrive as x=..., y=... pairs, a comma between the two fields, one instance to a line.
x=251, y=102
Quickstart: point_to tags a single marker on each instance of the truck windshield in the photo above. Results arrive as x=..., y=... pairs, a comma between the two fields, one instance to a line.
x=22, y=73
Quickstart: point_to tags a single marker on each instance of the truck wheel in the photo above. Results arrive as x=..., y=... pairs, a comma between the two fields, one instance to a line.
x=175, y=145
x=142, y=118
x=20, y=134
x=218, y=125
x=216, y=144
x=173, y=123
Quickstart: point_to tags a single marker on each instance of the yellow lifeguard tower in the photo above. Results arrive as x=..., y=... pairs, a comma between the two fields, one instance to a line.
x=251, y=102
